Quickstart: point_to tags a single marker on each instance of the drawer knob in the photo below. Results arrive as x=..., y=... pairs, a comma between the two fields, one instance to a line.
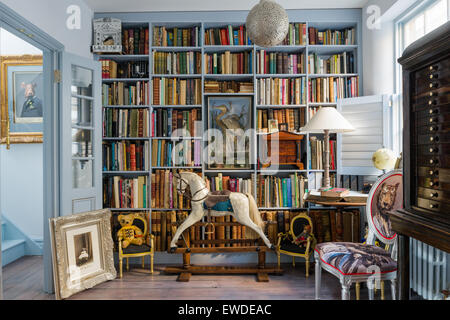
x=434, y=206
x=432, y=102
x=434, y=76
x=434, y=172
x=434, y=161
x=434, y=85
x=434, y=184
x=433, y=129
x=434, y=150
x=433, y=68
x=434, y=139
x=433, y=94
x=431, y=111
x=434, y=195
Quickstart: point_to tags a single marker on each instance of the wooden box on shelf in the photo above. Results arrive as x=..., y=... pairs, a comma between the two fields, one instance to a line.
x=289, y=149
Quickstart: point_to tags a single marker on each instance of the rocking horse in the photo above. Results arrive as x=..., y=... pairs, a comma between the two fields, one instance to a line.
x=241, y=206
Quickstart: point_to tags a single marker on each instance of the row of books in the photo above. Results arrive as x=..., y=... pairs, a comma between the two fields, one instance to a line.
x=335, y=226
x=229, y=63
x=135, y=41
x=176, y=37
x=172, y=91
x=128, y=193
x=279, y=63
x=127, y=123
x=332, y=37
x=173, y=122
x=133, y=69
x=227, y=86
x=189, y=62
x=295, y=118
x=276, y=192
x=297, y=35
x=221, y=182
x=280, y=91
x=330, y=89
x=164, y=192
x=335, y=64
x=124, y=93
x=185, y=153
x=126, y=156
x=227, y=36
x=316, y=151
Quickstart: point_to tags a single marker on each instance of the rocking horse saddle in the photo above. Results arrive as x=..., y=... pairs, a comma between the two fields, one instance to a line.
x=218, y=201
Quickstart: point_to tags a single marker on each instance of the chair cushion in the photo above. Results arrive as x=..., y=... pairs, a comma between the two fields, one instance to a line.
x=132, y=249
x=355, y=258
x=288, y=246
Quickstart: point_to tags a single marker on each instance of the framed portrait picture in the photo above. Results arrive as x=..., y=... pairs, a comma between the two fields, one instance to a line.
x=273, y=126
x=22, y=98
x=229, y=127
x=82, y=251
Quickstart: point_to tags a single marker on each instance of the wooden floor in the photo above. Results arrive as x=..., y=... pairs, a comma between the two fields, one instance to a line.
x=23, y=280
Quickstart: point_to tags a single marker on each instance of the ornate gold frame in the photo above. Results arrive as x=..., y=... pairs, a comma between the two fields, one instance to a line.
x=7, y=137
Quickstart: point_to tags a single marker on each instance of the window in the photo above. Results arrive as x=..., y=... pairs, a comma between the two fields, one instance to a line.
x=421, y=19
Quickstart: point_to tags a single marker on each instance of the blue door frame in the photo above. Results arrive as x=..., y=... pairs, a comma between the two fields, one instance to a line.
x=52, y=55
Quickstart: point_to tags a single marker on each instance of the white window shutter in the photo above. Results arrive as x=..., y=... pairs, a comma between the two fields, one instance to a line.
x=371, y=116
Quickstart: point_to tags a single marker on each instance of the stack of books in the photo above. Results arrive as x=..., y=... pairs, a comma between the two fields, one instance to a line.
x=135, y=41
x=227, y=36
x=294, y=118
x=119, y=70
x=229, y=63
x=177, y=62
x=185, y=153
x=279, y=63
x=125, y=156
x=126, y=123
x=164, y=191
x=276, y=91
x=296, y=36
x=276, y=192
x=128, y=193
x=212, y=86
x=173, y=91
x=335, y=64
x=176, y=123
x=176, y=37
x=331, y=89
x=122, y=93
x=332, y=37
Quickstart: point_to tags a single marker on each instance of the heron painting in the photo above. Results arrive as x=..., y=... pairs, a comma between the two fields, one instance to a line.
x=230, y=118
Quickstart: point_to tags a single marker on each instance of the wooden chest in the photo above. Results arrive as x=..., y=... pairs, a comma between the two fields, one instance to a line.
x=288, y=150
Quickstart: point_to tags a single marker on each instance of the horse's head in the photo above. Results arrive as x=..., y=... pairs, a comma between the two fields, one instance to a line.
x=182, y=182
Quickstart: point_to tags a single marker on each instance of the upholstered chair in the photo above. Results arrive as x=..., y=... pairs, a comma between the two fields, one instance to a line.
x=355, y=262
x=286, y=245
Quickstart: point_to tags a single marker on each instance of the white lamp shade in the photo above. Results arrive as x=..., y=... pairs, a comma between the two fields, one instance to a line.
x=328, y=119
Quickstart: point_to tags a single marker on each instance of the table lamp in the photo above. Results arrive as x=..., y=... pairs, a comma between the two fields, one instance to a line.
x=327, y=120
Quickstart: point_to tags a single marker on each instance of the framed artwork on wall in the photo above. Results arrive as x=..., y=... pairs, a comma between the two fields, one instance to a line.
x=229, y=126
x=82, y=251
x=22, y=98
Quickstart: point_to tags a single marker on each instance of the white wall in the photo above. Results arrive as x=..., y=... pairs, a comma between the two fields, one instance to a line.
x=51, y=16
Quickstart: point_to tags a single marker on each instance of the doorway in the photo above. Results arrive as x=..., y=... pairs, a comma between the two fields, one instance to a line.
x=30, y=145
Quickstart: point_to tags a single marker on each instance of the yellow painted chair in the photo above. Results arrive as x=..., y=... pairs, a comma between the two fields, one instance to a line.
x=287, y=247
x=133, y=251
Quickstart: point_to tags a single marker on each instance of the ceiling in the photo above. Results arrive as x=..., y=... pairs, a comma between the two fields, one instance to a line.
x=212, y=5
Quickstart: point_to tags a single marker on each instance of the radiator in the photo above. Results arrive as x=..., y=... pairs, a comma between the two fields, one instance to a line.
x=429, y=270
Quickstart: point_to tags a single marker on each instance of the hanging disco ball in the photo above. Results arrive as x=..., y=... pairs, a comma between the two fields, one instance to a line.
x=267, y=24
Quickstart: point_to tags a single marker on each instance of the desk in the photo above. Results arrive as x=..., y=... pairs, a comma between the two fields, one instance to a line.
x=353, y=199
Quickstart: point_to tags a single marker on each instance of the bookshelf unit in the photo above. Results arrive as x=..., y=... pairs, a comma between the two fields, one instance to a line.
x=314, y=18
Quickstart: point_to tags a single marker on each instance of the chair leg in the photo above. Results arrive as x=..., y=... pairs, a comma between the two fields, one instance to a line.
x=151, y=264
x=293, y=262
x=370, y=288
x=128, y=265
x=382, y=289
x=307, y=267
x=318, y=275
x=345, y=289
x=394, y=289
x=120, y=268
x=358, y=290
x=143, y=262
x=278, y=257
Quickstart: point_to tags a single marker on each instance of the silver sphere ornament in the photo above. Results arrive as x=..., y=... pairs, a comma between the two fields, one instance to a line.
x=267, y=24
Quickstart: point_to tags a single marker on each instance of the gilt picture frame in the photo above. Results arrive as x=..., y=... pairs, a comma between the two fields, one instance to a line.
x=82, y=251
x=22, y=99
x=231, y=118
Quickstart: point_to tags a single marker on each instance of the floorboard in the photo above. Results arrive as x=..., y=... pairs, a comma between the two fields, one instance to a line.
x=23, y=280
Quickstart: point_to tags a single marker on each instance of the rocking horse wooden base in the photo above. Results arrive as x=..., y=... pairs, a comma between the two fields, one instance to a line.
x=261, y=270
